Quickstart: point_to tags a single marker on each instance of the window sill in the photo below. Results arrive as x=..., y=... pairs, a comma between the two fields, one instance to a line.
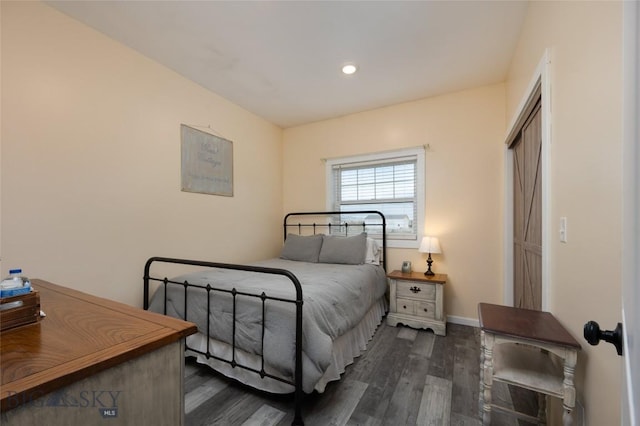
x=412, y=244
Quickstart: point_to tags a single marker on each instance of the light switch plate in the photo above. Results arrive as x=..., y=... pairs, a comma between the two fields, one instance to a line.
x=563, y=229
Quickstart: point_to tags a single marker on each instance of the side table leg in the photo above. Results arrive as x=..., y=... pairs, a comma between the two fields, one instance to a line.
x=569, y=400
x=567, y=418
x=487, y=378
x=480, y=394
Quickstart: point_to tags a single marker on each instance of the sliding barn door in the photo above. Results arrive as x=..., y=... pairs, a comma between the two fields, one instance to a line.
x=527, y=209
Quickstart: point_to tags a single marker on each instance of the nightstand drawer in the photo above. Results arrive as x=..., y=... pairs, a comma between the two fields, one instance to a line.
x=425, y=309
x=416, y=307
x=406, y=306
x=416, y=290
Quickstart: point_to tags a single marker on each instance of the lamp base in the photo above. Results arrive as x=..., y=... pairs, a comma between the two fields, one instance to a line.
x=429, y=262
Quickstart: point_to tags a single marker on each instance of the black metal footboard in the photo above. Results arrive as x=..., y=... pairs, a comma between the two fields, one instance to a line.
x=297, y=382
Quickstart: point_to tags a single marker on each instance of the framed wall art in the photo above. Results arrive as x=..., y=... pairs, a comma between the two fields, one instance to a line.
x=207, y=162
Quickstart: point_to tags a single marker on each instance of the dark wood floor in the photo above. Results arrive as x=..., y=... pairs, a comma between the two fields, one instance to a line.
x=406, y=377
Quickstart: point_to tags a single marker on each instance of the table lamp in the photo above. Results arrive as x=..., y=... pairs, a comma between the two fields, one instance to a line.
x=429, y=245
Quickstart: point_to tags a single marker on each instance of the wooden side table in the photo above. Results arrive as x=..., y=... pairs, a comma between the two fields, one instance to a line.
x=518, y=348
x=416, y=300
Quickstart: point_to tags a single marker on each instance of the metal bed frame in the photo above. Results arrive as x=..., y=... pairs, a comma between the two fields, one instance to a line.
x=339, y=227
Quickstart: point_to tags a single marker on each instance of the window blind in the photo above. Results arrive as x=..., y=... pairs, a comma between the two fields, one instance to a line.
x=387, y=185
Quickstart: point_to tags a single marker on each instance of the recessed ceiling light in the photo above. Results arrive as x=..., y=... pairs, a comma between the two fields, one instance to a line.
x=349, y=69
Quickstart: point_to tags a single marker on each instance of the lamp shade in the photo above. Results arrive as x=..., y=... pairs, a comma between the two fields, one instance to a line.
x=429, y=245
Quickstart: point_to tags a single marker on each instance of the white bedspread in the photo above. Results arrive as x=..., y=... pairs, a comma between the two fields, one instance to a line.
x=336, y=298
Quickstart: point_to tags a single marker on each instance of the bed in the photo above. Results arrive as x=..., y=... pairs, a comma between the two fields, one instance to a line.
x=288, y=324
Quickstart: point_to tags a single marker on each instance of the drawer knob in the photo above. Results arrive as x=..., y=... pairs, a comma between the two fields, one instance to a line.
x=426, y=310
x=415, y=289
x=404, y=306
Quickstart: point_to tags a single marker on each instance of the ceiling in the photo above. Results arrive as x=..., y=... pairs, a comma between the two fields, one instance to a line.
x=282, y=59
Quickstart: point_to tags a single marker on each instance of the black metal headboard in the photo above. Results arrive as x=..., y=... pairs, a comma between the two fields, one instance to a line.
x=341, y=223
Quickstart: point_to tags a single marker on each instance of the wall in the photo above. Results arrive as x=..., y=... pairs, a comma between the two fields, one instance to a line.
x=91, y=161
x=585, y=177
x=463, y=180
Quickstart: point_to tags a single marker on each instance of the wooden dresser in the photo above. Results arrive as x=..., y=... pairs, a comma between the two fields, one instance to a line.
x=417, y=300
x=90, y=361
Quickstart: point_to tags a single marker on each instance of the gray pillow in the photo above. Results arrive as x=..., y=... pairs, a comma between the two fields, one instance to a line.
x=346, y=250
x=303, y=248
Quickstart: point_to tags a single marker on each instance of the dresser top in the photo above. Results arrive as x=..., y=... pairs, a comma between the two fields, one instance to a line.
x=80, y=336
x=418, y=276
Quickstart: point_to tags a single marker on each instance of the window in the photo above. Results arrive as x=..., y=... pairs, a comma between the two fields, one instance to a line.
x=391, y=182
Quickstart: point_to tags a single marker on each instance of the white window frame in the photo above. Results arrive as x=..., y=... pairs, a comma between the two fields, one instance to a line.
x=419, y=153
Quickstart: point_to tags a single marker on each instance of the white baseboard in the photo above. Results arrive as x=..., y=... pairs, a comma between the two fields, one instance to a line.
x=453, y=319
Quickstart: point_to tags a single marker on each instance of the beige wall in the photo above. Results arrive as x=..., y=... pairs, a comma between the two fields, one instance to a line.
x=463, y=180
x=585, y=177
x=91, y=161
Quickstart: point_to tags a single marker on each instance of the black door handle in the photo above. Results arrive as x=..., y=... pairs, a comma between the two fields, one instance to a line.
x=593, y=335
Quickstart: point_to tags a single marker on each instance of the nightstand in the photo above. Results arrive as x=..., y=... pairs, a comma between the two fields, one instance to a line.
x=416, y=300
